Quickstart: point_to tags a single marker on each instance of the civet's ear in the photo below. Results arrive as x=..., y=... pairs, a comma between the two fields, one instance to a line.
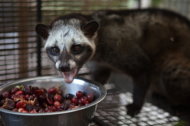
x=42, y=30
x=90, y=28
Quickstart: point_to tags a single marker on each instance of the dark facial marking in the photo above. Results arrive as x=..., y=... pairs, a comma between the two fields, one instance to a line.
x=86, y=53
x=54, y=51
x=64, y=58
x=77, y=49
x=66, y=33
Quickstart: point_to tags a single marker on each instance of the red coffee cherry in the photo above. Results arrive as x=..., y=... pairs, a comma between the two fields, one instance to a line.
x=57, y=97
x=22, y=110
x=90, y=97
x=21, y=104
x=79, y=94
x=75, y=101
x=52, y=90
x=84, y=100
x=6, y=94
x=20, y=92
x=33, y=111
x=30, y=99
x=57, y=104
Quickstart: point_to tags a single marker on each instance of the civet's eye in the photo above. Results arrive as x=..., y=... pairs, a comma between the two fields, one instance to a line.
x=77, y=49
x=54, y=51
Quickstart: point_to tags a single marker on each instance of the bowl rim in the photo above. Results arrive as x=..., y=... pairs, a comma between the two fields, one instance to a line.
x=94, y=103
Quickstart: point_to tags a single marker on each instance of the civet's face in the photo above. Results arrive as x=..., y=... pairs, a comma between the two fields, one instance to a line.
x=69, y=44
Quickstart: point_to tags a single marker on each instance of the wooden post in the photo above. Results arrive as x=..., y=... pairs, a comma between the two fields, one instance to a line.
x=23, y=44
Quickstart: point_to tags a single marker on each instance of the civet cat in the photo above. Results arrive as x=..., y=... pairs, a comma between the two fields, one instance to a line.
x=152, y=46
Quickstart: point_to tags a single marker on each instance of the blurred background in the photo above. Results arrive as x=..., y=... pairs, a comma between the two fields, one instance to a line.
x=21, y=51
x=22, y=54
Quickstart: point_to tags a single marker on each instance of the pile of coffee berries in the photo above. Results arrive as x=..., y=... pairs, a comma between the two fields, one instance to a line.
x=30, y=99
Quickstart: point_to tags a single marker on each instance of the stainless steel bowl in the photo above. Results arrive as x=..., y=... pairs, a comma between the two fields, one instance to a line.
x=81, y=116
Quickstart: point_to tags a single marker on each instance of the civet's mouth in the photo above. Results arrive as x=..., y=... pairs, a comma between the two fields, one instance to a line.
x=70, y=75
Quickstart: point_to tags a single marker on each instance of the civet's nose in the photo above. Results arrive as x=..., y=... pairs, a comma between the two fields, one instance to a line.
x=64, y=67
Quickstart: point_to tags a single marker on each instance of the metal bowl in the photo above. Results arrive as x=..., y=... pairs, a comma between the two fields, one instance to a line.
x=81, y=116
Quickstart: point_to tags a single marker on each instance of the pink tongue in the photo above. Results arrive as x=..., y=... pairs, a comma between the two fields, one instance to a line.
x=69, y=76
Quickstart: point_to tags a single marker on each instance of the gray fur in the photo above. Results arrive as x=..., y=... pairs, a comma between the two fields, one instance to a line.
x=152, y=46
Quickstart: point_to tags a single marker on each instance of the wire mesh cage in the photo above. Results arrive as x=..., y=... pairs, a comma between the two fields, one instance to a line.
x=22, y=54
